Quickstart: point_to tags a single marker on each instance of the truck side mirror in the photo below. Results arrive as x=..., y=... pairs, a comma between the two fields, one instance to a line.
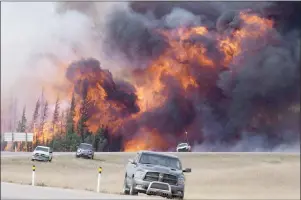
x=132, y=161
x=187, y=170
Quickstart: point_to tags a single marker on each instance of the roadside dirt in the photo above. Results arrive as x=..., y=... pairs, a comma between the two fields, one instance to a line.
x=214, y=176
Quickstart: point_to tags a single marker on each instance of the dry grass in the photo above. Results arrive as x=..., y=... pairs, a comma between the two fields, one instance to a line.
x=214, y=176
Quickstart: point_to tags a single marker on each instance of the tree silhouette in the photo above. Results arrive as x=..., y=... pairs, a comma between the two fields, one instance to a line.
x=70, y=117
x=44, y=116
x=22, y=122
x=55, y=117
x=35, y=120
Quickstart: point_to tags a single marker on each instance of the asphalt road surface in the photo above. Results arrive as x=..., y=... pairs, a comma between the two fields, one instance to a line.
x=16, y=191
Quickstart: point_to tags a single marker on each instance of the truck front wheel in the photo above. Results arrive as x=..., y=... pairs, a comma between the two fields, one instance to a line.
x=181, y=197
x=133, y=191
x=126, y=189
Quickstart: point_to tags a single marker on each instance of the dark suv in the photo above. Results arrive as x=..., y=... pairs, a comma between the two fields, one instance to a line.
x=85, y=150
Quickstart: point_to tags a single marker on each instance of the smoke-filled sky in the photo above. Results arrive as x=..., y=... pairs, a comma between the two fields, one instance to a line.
x=222, y=71
x=34, y=36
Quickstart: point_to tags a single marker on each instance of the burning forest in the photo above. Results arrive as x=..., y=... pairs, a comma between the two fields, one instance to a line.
x=227, y=76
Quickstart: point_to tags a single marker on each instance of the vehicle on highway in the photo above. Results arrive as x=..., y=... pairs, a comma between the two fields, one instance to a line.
x=85, y=150
x=183, y=147
x=42, y=153
x=155, y=173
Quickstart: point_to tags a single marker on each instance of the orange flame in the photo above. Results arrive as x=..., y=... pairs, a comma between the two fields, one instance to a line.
x=254, y=27
x=150, y=86
x=147, y=140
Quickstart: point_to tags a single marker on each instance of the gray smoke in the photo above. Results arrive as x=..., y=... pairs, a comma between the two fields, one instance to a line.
x=243, y=108
x=264, y=81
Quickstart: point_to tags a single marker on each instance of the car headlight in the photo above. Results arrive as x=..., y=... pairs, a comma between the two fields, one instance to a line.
x=181, y=181
x=139, y=174
x=78, y=150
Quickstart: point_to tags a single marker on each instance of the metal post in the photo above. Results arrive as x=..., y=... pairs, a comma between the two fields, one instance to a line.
x=14, y=144
x=12, y=141
x=34, y=142
x=99, y=177
x=33, y=175
x=26, y=142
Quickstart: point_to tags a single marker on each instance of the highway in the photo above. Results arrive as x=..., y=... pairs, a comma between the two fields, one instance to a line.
x=28, y=154
x=16, y=191
x=256, y=175
x=8, y=190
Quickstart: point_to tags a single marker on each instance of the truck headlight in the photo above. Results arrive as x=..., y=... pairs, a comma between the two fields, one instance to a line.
x=181, y=181
x=139, y=174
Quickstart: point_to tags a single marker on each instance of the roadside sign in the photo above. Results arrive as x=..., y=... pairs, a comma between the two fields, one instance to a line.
x=18, y=137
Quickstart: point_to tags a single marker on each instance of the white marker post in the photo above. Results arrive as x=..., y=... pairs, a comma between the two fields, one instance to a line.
x=33, y=175
x=99, y=177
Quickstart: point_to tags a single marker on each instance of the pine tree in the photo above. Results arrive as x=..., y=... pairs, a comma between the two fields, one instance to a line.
x=42, y=101
x=99, y=136
x=71, y=139
x=22, y=126
x=55, y=117
x=35, y=119
x=62, y=123
x=15, y=108
x=13, y=118
x=22, y=123
x=55, y=120
x=85, y=104
x=70, y=117
x=44, y=116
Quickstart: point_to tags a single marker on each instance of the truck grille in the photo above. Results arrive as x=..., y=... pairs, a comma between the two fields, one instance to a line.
x=42, y=155
x=170, y=179
x=167, y=178
x=183, y=150
x=151, y=176
x=159, y=186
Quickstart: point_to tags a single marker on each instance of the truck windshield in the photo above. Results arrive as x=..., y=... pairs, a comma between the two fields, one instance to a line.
x=41, y=149
x=147, y=158
x=85, y=146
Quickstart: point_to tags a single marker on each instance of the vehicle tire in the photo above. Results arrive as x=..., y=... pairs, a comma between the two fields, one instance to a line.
x=50, y=160
x=32, y=159
x=181, y=197
x=126, y=189
x=92, y=157
x=132, y=188
x=76, y=156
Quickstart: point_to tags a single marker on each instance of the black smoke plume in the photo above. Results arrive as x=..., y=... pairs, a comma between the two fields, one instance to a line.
x=244, y=105
x=87, y=73
x=254, y=102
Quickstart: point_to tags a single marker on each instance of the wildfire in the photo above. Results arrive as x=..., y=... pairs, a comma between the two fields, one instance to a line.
x=254, y=27
x=146, y=140
x=45, y=135
x=151, y=93
x=112, y=103
x=151, y=85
